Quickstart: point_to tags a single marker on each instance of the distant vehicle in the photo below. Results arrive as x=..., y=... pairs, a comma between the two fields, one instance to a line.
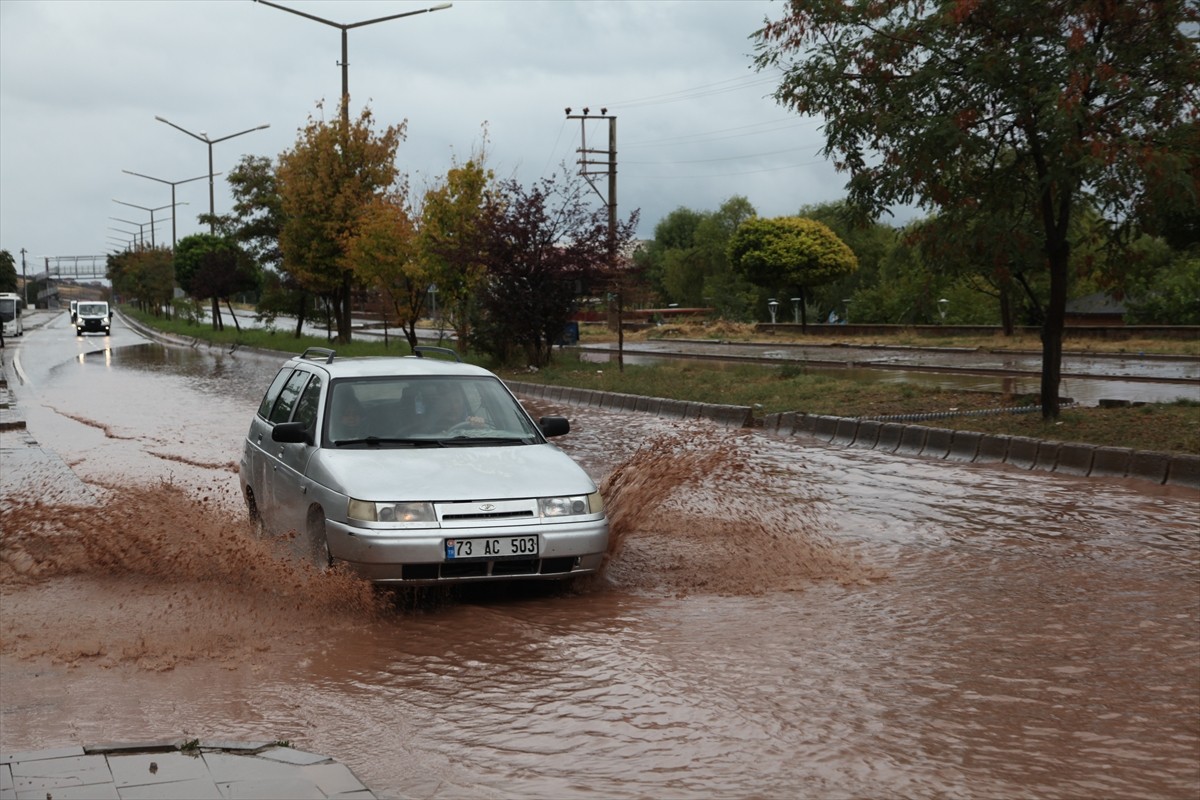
x=92, y=316
x=418, y=471
x=10, y=314
x=74, y=309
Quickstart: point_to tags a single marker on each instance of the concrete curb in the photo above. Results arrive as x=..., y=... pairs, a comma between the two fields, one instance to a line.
x=1068, y=458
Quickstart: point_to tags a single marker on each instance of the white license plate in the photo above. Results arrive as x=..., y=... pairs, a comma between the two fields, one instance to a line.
x=492, y=547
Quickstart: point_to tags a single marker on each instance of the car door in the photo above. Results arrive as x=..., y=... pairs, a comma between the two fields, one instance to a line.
x=274, y=498
x=290, y=480
x=258, y=442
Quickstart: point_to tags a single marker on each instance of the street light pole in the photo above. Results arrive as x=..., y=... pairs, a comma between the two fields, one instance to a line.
x=172, y=184
x=203, y=136
x=139, y=235
x=344, y=27
x=151, y=210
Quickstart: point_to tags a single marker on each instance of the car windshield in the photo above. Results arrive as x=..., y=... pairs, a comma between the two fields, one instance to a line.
x=91, y=308
x=424, y=411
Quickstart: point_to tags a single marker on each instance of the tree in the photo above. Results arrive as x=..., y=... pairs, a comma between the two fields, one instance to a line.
x=257, y=225
x=326, y=182
x=790, y=252
x=207, y=265
x=872, y=243
x=145, y=275
x=384, y=253
x=8, y=272
x=983, y=106
x=541, y=248
x=451, y=237
x=688, y=260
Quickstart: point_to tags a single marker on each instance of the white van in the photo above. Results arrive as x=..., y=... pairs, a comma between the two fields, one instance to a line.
x=92, y=316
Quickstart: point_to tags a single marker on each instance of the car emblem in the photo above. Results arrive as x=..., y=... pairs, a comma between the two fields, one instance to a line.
x=486, y=507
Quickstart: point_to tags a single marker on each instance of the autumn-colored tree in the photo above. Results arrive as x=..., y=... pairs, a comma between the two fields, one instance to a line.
x=215, y=267
x=385, y=254
x=451, y=238
x=791, y=253
x=326, y=182
x=980, y=107
x=541, y=247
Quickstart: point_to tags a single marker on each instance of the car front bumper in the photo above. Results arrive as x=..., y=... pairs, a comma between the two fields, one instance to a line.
x=413, y=557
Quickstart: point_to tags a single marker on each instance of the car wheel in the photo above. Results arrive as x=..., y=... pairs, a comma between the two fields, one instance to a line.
x=318, y=541
x=256, y=521
x=78, y=333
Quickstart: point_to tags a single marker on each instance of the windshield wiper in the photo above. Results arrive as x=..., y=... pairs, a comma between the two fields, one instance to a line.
x=375, y=441
x=472, y=440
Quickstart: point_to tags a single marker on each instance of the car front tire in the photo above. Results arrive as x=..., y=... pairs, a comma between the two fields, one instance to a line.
x=318, y=541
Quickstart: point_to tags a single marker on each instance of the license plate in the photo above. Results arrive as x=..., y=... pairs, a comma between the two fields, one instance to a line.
x=492, y=547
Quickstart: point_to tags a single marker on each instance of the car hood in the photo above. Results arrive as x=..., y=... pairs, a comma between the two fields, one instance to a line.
x=451, y=473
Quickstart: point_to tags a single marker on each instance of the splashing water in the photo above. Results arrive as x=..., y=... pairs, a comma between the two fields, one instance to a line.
x=693, y=510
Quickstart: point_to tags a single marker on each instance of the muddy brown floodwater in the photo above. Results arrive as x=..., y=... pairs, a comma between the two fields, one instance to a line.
x=778, y=618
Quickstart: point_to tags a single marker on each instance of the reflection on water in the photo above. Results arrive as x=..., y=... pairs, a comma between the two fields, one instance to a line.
x=779, y=620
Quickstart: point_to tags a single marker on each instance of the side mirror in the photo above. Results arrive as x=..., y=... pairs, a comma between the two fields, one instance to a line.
x=291, y=433
x=554, y=426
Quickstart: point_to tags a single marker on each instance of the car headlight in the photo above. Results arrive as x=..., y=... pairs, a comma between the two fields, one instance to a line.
x=368, y=511
x=573, y=505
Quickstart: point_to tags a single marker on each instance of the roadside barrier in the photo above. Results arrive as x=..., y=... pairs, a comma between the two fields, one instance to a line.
x=891, y=434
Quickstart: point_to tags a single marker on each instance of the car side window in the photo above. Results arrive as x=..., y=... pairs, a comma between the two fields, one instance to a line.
x=264, y=408
x=288, y=396
x=310, y=401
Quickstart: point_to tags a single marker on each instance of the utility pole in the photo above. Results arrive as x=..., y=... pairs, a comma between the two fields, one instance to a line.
x=24, y=280
x=589, y=167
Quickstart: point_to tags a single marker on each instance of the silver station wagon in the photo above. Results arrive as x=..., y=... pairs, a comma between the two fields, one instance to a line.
x=418, y=470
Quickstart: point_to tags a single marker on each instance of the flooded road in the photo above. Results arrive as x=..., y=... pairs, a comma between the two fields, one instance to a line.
x=778, y=618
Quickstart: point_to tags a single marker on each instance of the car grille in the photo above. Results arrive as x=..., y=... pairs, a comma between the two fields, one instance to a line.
x=452, y=570
x=526, y=514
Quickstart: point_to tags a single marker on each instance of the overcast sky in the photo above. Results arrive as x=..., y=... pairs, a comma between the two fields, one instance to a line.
x=82, y=82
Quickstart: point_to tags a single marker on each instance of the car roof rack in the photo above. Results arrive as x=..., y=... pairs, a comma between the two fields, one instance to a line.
x=420, y=350
x=316, y=353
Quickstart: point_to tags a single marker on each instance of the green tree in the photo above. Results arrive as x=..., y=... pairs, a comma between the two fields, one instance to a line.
x=790, y=253
x=8, y=272
x=1001, y=106
x=256, y=224
x=211, y=266
x=688, y=259
x=326, y=181
x=872, y=243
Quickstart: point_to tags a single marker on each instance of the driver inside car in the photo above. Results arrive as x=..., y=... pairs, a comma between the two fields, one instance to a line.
x=451, y=411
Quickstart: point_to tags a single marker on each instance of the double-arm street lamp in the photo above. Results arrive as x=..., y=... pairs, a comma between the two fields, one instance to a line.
x=344, y=27
x=151, y=210
x=203, y=136
x=139, y=235
x=172, y=184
